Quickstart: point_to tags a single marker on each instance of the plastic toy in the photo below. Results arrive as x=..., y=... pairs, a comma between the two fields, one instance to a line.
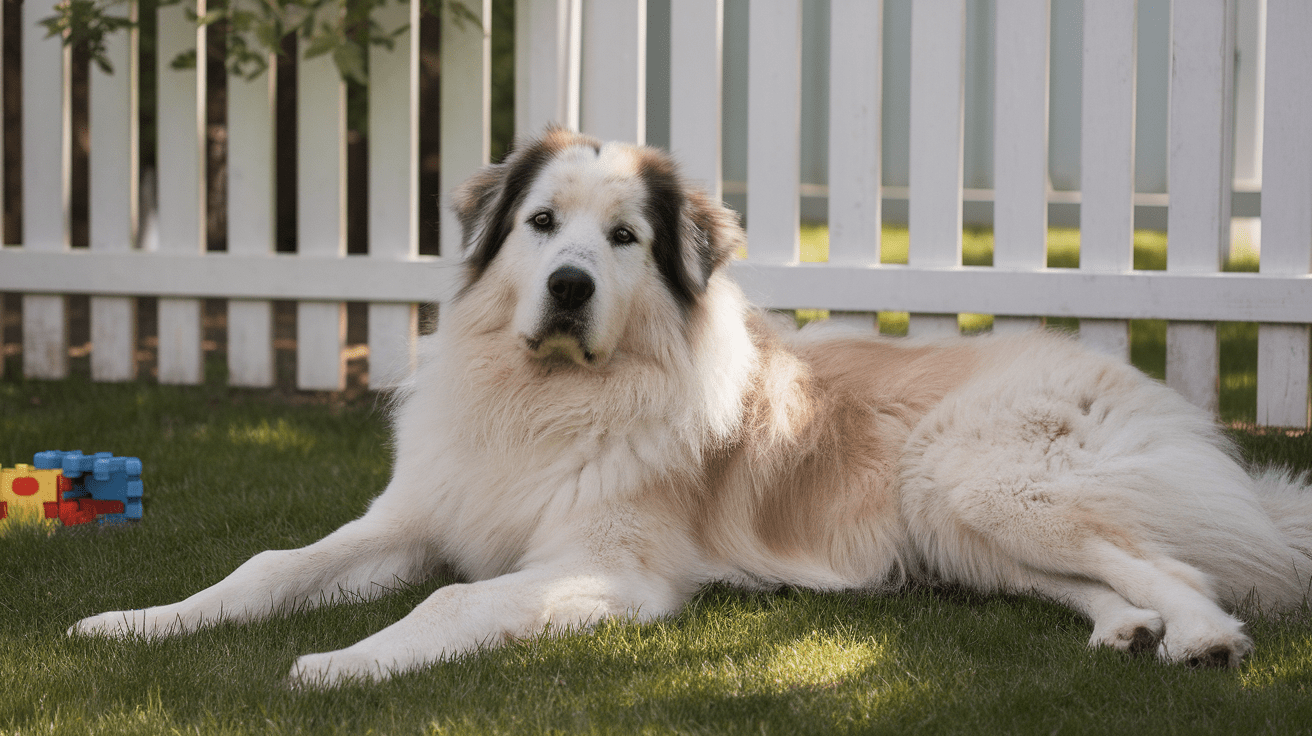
x=71, y=488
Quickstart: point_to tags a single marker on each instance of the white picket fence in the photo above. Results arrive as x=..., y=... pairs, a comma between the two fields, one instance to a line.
x=582, y=63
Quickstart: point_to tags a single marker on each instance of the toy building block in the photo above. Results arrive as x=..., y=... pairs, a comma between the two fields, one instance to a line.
x=101, y=484
x=29, y=494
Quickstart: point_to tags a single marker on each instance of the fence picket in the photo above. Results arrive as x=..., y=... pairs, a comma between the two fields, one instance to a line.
x=1283, y=350
x=181, y=166
x=548, y=39
x=614, y=76
x=1020, y=143
x=855, y=81
x=1200, y=164
x=394, y=186
x=320, y=216
x=466, y=107
x=1107, y=157
x=251, y=219
x=774, y=104
x=696, y=65
x=938, y=47
x=113, y=201
x=45, y=188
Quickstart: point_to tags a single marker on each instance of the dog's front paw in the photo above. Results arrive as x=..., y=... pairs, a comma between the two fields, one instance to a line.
x=1133, y=630
x=1220, y=642
x=331, y=669
x=118, y=624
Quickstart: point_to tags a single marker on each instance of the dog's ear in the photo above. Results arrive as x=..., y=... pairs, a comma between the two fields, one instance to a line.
x=712, y=233
x=474, y=201
x=694, y=235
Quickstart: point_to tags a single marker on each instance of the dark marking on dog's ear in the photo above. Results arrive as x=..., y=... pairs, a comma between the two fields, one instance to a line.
x=487, y=202
x=693, y=235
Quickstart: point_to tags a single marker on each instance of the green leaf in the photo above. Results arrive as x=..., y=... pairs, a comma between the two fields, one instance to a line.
x=322, y=44
x=184, y=60
x=349, y=58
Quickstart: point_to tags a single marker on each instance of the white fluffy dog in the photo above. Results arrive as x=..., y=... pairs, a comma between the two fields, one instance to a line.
x=601, y=425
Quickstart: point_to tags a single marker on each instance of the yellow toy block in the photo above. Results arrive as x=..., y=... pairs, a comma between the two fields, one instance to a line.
x=24, y=493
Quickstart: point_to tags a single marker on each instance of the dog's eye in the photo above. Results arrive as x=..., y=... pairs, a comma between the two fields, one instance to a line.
x=543, y=221
x=622, y=236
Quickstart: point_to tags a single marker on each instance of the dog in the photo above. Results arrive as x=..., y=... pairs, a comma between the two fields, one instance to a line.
x=601, y=425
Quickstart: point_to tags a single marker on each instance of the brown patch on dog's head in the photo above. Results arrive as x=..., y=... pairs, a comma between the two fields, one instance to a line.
x=694, y=235
x=486, y=203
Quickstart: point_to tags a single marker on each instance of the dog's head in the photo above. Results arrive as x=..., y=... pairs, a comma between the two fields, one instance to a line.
x=586, y=233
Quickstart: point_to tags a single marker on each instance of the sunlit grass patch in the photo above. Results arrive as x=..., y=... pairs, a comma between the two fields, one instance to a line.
x=819, y=660
x=279, y=435
x=1288, y=663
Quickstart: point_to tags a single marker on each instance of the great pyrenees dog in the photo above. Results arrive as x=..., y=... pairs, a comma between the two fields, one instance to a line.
x=601, y=425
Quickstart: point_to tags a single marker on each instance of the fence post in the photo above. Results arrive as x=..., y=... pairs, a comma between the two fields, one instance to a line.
x=466, y=108
x=46, y=147
x=181, y=201
x=614, y=80
x=113, y=205
x=938, y=48
x=855, y=81
x=1200, y=160
x=394, y=186
x=320, y=215
x=696, y=65
x=251, y=218
x=1107, y=157
x=1283, y=350
x=1020, y=143
x=774, y=104
x=548, y=49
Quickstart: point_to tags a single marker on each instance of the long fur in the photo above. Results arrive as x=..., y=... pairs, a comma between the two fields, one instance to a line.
x=581, y=458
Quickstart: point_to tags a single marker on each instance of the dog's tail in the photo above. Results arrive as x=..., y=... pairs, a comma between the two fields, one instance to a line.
x=1287, y=498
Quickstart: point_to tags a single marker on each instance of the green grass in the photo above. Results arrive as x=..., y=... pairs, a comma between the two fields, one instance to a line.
x=1237, y=340
x=229, y=473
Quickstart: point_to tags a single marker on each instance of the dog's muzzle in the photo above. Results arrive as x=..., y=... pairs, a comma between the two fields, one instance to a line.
x=565, y=326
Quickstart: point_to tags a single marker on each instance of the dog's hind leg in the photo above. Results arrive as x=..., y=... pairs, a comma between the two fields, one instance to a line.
x=365, y=558
x=1002, y=532
x=1117, y=623
x=1198, y=631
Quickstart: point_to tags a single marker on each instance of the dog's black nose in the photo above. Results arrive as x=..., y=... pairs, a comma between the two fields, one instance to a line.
x=571, y=287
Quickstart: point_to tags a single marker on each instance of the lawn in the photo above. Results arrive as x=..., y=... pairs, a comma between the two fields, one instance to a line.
x=231, y=472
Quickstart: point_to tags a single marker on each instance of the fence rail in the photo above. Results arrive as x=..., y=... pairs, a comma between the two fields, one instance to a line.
x=583, y=62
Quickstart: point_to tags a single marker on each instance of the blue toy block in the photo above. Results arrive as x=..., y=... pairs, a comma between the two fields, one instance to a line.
x=101, y=477
x=52, y=460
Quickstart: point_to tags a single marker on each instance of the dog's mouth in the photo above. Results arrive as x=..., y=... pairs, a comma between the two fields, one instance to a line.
x=559, y=344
